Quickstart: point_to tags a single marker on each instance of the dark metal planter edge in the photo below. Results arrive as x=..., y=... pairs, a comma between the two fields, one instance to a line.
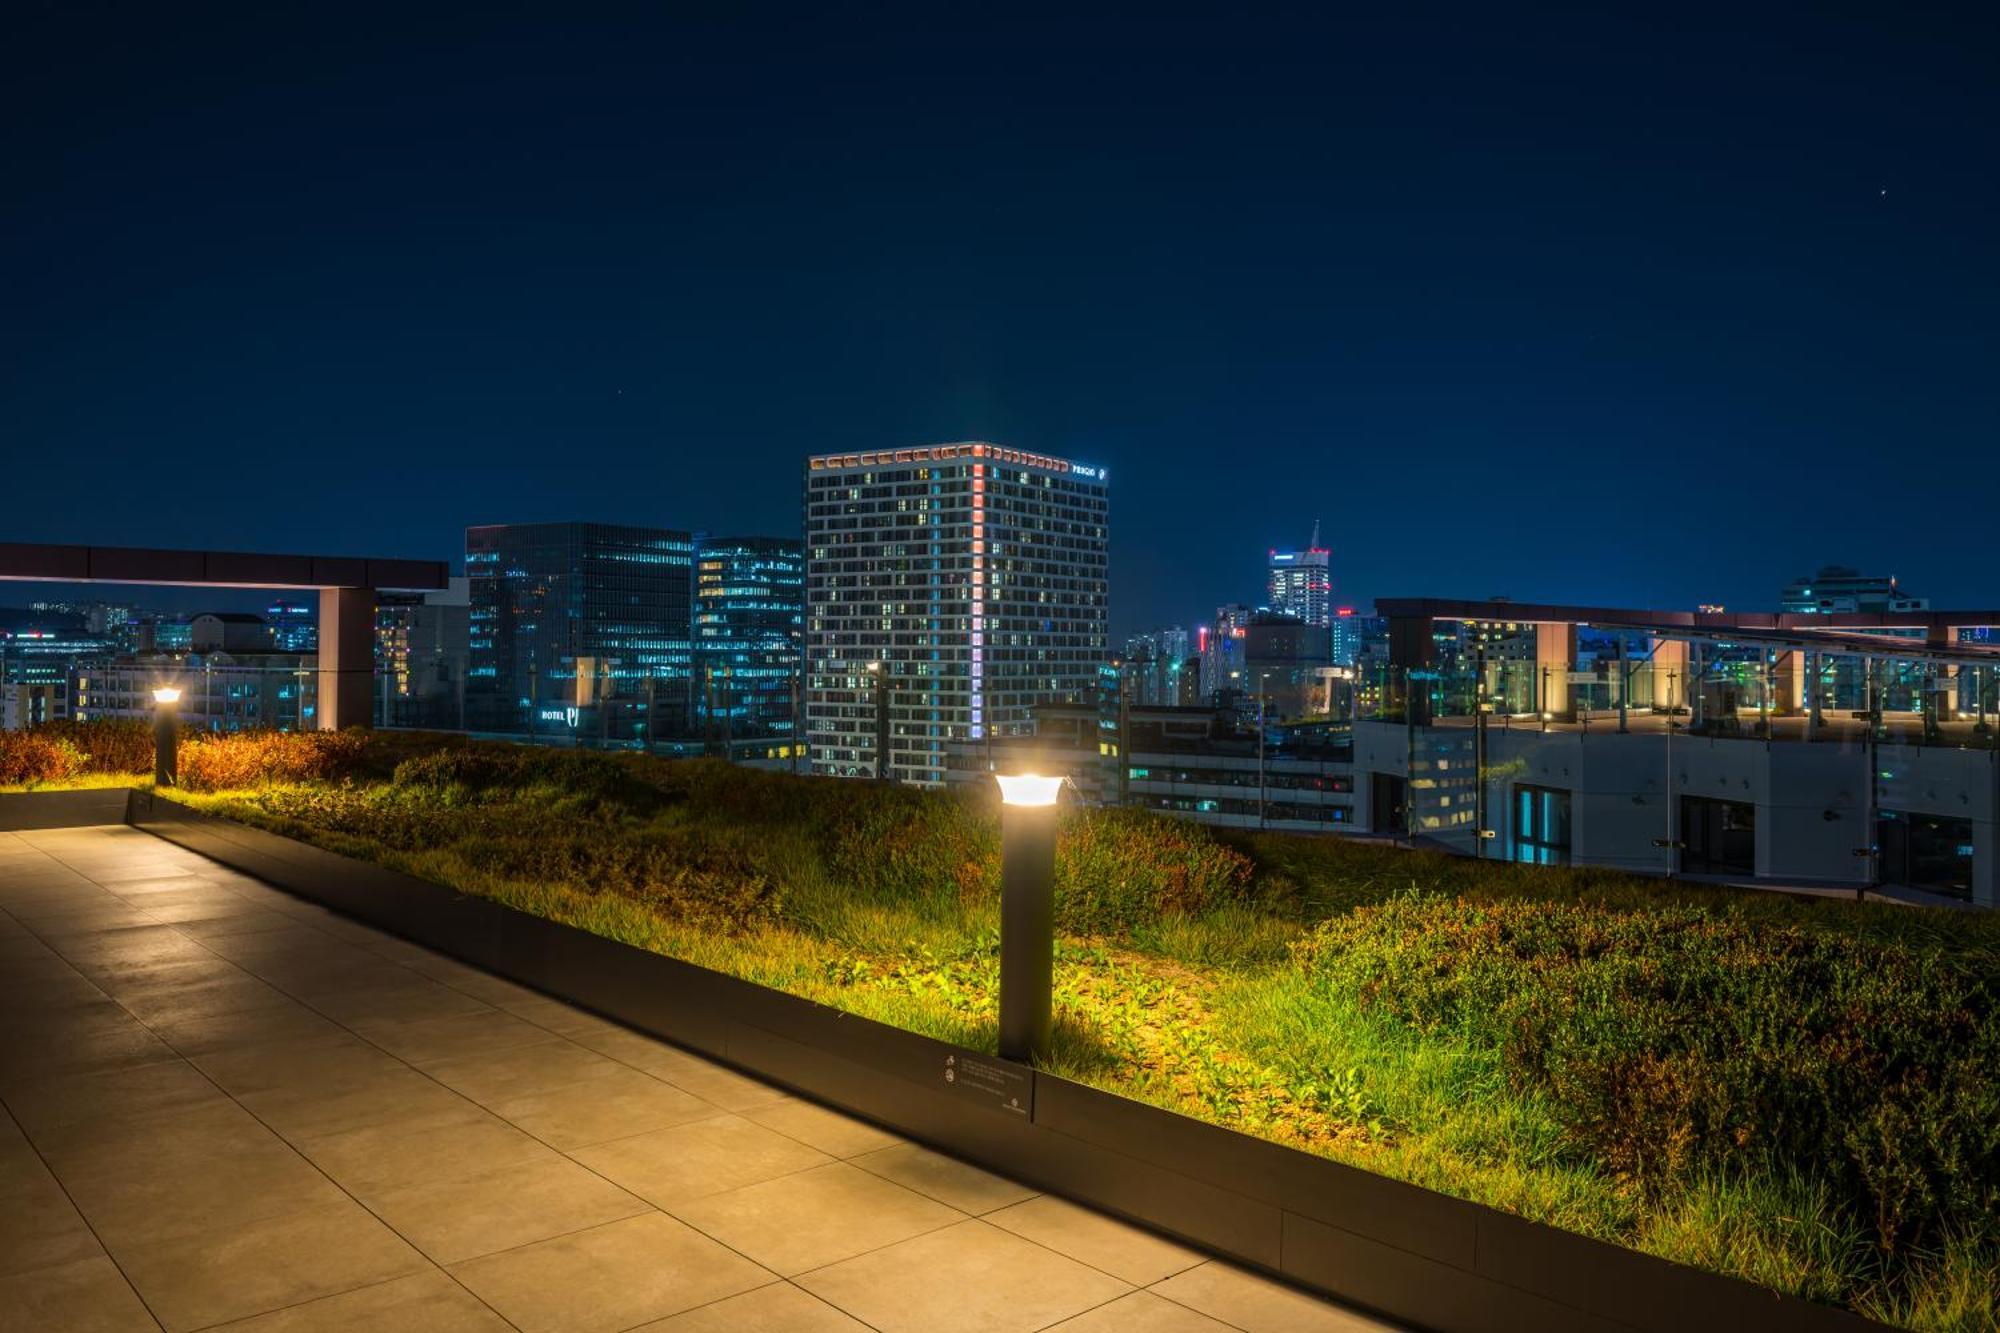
x=87, y=807
x=1411, y=1254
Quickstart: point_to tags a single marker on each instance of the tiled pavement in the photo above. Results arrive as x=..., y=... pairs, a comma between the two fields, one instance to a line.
x=225, y=1104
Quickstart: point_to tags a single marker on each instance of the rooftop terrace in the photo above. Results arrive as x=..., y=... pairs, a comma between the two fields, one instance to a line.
x=225, y=1104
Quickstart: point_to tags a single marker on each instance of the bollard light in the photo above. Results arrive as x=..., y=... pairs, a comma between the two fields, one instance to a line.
x=166, y=736
x=1027, y=913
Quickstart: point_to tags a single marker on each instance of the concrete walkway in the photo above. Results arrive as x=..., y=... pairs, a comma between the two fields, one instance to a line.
x=225, y=1104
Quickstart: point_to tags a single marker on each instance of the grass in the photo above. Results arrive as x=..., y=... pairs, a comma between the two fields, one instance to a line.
x=1803, y=1093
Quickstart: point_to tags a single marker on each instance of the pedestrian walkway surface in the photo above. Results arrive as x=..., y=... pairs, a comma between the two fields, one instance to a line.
x=228, y=1107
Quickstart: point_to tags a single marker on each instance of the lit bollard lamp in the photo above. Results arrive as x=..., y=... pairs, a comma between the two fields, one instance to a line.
x=166, y=736
x=1027, y=913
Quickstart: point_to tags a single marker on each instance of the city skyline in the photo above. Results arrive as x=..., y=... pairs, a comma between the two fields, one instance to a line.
x=529, y=272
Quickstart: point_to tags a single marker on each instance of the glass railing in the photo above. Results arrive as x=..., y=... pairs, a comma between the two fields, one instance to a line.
x=1711, y=689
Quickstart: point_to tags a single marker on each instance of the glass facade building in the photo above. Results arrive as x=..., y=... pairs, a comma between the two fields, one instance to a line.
x=970, y=580
x=569, y=619
x=1302, y=583
x=749, y=620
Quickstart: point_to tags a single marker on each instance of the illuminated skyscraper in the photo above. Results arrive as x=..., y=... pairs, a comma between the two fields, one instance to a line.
x=566, y=615
x=749, y=617
x=974, y=575
x=1302, y=583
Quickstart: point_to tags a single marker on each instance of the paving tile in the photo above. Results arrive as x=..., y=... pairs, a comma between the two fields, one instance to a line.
x=946, y=1179
x=468, y=1216
x=670, y=1167
x=778, y=1307
x=363, y=999
x=972, y=1277
x=183, y=1172
x=288, y=1022
x=180, y=1004
x=40, y=1227
x=356, y=1098
x=657, y=1058
x=617, y=1105
x=1141, y=1312
x=830, y=1131
x=814, y=1218
x=1259, y=1305
x=1122, y=1250
x=419, y=1150
x=464, y=1032
x=76, y=1047
x=724, y=1087
x=85, y=1296
x=48, y=1107
x=431, y=1301
x=288, y=1062
x=609, y=1277
x=193, y=1281
x=516, y=1071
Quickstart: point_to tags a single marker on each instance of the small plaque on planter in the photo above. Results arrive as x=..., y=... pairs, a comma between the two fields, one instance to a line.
x=1003, y=1087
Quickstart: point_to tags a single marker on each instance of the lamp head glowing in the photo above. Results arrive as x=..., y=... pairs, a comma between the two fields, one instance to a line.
x=167, y=694
x=1028, y=788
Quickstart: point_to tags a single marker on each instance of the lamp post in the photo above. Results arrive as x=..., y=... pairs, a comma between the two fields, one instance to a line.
x=1027, y=913
x=166, y=736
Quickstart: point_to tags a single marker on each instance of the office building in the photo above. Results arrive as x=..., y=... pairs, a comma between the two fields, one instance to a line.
x=582, y=629
x=1221, y=648
x=1837, y=590
x=422, y=647
x=294, y=623
x=229, y=632
x=1348, y=631
x=1286, y=662
x=949, y=590
x=749, y=621
x=1159, y=669
x=220, y=690
x=1301, y=583
x=1196, y=763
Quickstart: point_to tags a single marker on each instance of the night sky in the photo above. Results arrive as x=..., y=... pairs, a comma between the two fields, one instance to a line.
x=1573, y=307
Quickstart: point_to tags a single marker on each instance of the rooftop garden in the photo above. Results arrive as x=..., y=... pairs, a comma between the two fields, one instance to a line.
x=1801, y=1092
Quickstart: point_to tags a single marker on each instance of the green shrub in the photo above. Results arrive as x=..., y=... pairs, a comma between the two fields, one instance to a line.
x=1117, y=870
x=1674, y=1041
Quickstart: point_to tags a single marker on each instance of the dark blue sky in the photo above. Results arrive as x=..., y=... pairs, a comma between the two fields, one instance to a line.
x=1575, y=306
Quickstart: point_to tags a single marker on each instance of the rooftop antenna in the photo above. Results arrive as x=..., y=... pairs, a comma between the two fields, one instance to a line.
x=1313, y=545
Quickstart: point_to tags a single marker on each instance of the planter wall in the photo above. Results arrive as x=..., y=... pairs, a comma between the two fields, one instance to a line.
x=26, y=810
x=1411, y=1254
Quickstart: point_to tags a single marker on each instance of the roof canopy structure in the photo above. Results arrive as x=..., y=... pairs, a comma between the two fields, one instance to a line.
x=36, y=563
x=346, y=584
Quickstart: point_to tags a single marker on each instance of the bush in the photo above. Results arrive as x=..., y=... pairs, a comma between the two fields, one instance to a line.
x=1677, y=1041
x=1118, y=869
x=38, y=756
x=114, y=745
x=229, y=760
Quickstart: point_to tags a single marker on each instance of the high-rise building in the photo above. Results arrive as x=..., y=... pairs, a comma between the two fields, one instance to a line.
x=1284, y=665
x=421, y=652
x=1347, y=633
x=1157, y=666
x=969, y=580
x=749, y=619
x=1837, y=588
x=294, y=623
x=1221, y=648
x=569, y=619
x=1302, y=583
